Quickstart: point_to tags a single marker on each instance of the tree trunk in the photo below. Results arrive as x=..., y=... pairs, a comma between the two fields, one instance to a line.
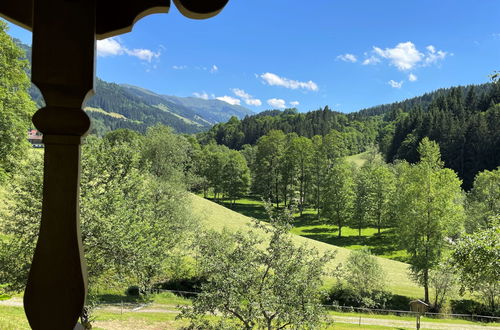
x=277, y=192
x=426, y=286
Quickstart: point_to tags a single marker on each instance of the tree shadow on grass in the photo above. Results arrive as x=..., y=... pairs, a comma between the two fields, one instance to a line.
x=250, y=210
x=253, y=210
x=308, y=219
x=319, y=230
x=383, y=244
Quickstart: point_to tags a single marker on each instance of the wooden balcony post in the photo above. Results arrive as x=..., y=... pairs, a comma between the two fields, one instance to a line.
x=64, y=70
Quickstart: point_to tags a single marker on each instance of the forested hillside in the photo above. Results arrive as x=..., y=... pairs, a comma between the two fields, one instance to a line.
x=464, y=121
x=236, y=133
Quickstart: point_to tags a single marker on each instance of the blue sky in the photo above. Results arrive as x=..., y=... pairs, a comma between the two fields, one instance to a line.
x=267, y=54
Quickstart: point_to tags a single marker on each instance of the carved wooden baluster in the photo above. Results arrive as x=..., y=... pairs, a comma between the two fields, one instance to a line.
x=63, y=69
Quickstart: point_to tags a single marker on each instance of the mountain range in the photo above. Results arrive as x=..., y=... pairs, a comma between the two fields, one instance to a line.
x=125, y=106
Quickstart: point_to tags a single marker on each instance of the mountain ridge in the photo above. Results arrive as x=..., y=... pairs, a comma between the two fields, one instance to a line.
x=117, y=106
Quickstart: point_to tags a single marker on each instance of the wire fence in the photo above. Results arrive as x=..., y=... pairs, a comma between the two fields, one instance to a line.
x=351, y=309
x=379, y=311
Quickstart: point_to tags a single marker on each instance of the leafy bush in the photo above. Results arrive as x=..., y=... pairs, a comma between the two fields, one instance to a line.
x=467, y=306
x=360, y=282
x=186, y=285
x=347, y=296
x=133, y=290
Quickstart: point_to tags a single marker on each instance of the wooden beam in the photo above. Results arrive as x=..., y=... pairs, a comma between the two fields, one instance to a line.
x=64, y=70
x=116, y=17
x=18, y=12
x=200, y=9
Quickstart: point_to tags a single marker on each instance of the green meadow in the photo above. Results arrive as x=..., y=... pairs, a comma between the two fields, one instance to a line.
x=215, y=216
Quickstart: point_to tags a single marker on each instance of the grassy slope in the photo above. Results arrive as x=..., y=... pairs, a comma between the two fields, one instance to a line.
x=216, y=217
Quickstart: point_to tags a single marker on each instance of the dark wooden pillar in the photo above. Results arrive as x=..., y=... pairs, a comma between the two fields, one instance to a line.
x=63, y=70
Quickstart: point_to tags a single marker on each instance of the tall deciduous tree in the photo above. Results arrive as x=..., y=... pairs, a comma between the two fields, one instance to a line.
x=16, y=106
x=374, y=189
x=289, y=170
x=270, y=149
x=166, y=154
x=383, y=190
x=364, y=203
x=211, y=165
x=302, y=149
x=429, y=210
x=318, y=167
x=236, y=176
x=476, y=258
x=483, y=201
x=338, y=196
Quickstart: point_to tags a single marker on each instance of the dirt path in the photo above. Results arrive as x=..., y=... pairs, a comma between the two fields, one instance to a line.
x=16, y=302
x=409, y=324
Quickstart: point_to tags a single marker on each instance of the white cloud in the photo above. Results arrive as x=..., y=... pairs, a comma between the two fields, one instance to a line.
x=143, y=54
x=113, y=47
x=371, y=60
x=179, y=67
x=412, y=77
x=434, y=55
x=202, y=95
x=254, y=102
x=347, y=58
x=241, y=93
x=275, y=80
x=277, y=103
x=109, y=47
x=395, y=84
x=404, y=56
x=294, y=103
x=246, y=97
x=229, y=99
x=214, y=69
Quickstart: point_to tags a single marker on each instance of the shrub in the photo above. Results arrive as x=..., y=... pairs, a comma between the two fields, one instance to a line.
x=467, y=306
x=133, y=290
x=186, y=285
x=347, y=296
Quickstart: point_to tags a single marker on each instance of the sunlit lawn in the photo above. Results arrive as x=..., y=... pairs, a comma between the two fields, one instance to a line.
x=308, y=225
x=217, y=217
